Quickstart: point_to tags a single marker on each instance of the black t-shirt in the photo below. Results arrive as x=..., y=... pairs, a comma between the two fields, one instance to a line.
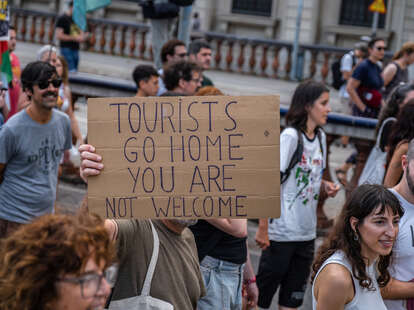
x=70, y=28
x=213, y=242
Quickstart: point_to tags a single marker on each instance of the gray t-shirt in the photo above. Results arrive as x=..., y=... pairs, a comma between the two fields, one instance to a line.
x=32, y=153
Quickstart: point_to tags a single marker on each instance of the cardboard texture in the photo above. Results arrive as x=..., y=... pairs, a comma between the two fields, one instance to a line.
x=186, y=157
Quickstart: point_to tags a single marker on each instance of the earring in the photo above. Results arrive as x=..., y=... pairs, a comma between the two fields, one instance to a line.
x=356, y=238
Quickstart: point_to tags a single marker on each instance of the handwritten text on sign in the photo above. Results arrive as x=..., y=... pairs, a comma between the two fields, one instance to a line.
x=185, y=157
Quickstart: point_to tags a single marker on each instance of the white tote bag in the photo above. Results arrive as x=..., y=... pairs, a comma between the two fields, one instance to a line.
x=374, y=170
x=144, y=301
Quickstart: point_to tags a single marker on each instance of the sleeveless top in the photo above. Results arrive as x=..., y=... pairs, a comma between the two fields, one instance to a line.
x=400, y=76
x=363, y=298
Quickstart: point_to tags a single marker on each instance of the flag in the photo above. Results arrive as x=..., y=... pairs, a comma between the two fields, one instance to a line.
x=81, y=7
x=5, y=65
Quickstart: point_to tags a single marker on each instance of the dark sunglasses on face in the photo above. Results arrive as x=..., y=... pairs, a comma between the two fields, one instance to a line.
x=45, y=83
x=380, y=48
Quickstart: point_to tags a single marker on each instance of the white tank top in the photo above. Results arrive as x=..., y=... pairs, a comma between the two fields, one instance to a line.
x=364, y=298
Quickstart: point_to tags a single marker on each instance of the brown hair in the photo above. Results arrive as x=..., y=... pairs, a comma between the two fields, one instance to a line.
x=407, y=48
x=364, y=200
x=209, y=91
x=65, y=71
x=36, y=255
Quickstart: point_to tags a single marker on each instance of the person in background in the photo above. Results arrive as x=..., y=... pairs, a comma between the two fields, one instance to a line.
x=199, y=51
x=352, y=264
x=70, y=36
x=32, y=144
x=398, y=294
x=59, y=262
x=196, y=22
x=4, y=111
x=182, y=78
x=64, y=102
x=15, y=87
x=146, y=80
x=396, y=71
x=172, y=51
x=287, y=257
x=402, y=132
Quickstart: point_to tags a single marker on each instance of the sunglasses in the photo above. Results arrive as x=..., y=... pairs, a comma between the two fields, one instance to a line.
x=380, y=48
x=45, y=83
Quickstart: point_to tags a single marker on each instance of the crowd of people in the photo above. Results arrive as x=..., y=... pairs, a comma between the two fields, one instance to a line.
x=55, y=261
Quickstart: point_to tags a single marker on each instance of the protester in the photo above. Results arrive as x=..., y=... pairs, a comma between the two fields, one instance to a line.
x=176, y=280
x=224, y=262
x=4, y=111
x=397, y=99
x=69, y=36
x=15, y=88
x=286, y=260
x=348, y=62
x=400, y=289
x=172, y=51
x=146, y=79
x=352, y=263
x=182, y=78
x=64, y=102
x=31, y=146
x=366, y=82
x=58, y=262
x=199, y=51
x=397, y=70
x=401, y=134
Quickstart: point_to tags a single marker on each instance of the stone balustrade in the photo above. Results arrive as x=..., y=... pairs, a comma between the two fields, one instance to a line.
x=269, y=58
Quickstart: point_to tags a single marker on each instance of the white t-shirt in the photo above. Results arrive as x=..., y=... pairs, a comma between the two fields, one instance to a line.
x=347, y=63
x=402, y=264
x=300, y=192
x=364, y=299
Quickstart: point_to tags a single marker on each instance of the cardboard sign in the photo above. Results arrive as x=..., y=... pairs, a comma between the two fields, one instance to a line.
x=185, y=157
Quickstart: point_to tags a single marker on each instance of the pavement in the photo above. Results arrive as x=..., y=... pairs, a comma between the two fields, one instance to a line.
x=69, y=196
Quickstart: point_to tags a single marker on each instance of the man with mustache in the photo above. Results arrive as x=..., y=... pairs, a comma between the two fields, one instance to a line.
x=399, y=292
x=31, y=147
x=177, y=279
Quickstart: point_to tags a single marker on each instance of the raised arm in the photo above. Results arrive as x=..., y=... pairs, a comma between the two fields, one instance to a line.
x=91, y=163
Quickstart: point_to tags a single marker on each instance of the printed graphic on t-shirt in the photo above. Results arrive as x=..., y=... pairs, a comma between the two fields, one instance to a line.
x=46, y=156
x=74, y=30
x=308, y=172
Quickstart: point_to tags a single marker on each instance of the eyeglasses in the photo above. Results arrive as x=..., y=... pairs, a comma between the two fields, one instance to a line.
x=380, y=48
x=197, y=80
x=91, y=283
x=45, y=83
x=3, y=89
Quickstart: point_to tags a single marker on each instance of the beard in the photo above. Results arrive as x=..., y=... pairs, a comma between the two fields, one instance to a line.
x=184, y=223
x=409, y=179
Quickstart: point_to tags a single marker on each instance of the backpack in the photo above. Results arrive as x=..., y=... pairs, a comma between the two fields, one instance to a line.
x=337, y=79
x=297, y=155
x=374, y=169
x=182, y=2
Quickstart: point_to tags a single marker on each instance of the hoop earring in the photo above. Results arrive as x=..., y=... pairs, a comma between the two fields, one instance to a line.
x=356, y=238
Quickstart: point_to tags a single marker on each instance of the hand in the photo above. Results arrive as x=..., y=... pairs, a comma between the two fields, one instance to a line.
x=252, y=294
x=91, y=163
x=262, y=238
x=330, y=188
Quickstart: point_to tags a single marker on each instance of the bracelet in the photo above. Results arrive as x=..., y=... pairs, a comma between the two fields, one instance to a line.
x=249, y=281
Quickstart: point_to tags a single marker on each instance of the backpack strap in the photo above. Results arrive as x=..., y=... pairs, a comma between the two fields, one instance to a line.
x=319, y=134
x=296, y=157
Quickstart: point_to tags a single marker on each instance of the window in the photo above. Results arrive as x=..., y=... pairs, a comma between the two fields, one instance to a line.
x=356, y=13
x=257, y=7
